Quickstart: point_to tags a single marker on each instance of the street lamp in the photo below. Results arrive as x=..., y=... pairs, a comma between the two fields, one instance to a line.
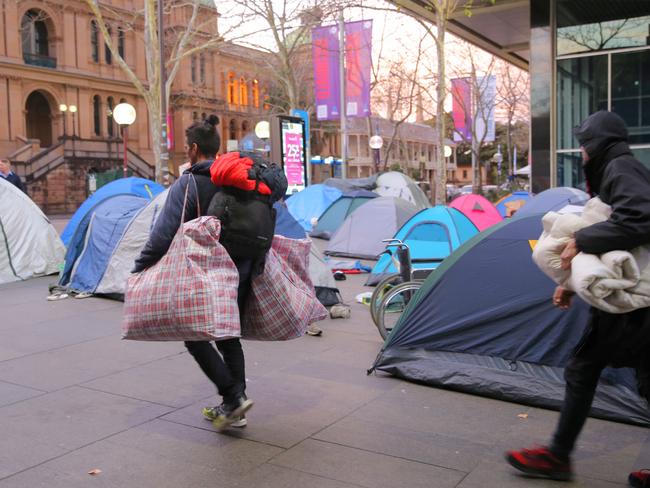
x=124, y=115
x=73, y=110
x=376, y=143
x=63, y=108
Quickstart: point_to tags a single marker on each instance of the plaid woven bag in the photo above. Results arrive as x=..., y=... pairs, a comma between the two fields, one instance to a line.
x=189, y=295
x=282, y=302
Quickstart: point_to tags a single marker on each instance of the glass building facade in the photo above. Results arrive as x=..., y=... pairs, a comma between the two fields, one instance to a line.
x=586, y=55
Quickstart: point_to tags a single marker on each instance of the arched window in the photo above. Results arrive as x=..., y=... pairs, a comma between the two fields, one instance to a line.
x=97, y=115
x=245, y=127
x=94, y=41
x=120, y=41
x=108, y=56
x=232, y=89
x=256, y=93
x=195, y=116
x=109, y=116
x=243, y=92
x=203, y=116
x=193, y=68
x=34, y=36
x=202, y=68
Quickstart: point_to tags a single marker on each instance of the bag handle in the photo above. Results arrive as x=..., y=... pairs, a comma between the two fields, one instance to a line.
x=198, y=203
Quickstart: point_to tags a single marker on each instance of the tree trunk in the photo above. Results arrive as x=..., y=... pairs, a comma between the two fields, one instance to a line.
x=439, y=176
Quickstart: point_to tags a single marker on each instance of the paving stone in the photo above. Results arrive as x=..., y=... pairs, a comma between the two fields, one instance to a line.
x=14, y=393
x=38, y=429
x=82, y=362
x=289, y=408
x=364, y=468
x=269, y=476
x=156, y=454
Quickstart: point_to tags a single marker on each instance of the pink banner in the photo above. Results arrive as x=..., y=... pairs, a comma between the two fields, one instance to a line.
x=358, y=64
x=325, y=53
x=461, y=91
x=293, y=164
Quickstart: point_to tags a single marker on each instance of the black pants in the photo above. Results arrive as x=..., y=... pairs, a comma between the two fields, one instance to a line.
x=581, y=375
x=226, y=368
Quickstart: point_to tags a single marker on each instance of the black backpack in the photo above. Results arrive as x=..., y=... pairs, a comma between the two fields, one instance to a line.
x=247, y=218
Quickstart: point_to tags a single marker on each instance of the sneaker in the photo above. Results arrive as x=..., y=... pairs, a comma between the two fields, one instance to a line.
x=640, y=479
x=540, y=462
x=211, y=413
x=314, y=330
x=227, y=414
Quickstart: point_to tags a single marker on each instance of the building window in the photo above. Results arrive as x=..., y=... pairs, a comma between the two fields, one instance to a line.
x=243, y=92
x=97, y=115
x=232, y=89
x=108, y=56
x=464, y=174
x=94, y=41
x=195, y=116
x=202, y=68
x=232, y=133
x=203, y=116
x=35, y=40
x=193, y=69
x=109, y=116
x=255, y=88
x=120, y=41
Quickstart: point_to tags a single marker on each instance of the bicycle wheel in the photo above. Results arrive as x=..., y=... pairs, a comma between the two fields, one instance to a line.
x=393, y=304
x=380, y=290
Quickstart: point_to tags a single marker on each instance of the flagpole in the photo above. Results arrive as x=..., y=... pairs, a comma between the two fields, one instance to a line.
x=343, y=109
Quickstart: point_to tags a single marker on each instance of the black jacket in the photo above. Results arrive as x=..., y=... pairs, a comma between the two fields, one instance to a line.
x=169, y=220
x=623, y=182
x=619, y=180
x=16, y=181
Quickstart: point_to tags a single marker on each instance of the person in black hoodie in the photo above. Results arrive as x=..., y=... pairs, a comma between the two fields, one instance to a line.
x=621, y=340
x=225, y=368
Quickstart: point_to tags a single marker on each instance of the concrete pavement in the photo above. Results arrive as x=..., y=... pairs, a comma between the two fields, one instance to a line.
x=74, y=397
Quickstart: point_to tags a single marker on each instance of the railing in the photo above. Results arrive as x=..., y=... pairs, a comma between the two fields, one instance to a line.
x=39, y=60
x=74, y=149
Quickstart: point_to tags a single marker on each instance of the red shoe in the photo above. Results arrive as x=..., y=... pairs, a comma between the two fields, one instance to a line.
x=640, y=479
x=540, y=462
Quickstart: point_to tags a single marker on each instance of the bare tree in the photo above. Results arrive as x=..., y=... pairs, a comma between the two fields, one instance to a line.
x=200, y=33
x=481, y=107
x=513, y=98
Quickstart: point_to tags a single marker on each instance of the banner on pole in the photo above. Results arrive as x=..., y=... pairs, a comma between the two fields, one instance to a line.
x=487, y=88
x=325, y=53
x=461, y=90
x=358, y=65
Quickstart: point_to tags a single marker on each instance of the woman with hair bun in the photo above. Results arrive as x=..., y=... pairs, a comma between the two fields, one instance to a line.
x=225, y=368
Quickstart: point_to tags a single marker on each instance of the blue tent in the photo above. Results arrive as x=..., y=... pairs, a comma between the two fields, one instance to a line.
x=94, y=239
x=432, y=235
x=518, y=198
x=311, y=203
x=285, y=224
x=124, y=186
x=339, y=210
x=551, y=200
x=483, y=323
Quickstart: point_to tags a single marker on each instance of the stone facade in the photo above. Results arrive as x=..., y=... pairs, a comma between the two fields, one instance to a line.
x=52, y=55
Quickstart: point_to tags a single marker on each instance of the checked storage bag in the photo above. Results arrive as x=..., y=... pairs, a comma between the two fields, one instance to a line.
x=190, y=294
x=282, y=302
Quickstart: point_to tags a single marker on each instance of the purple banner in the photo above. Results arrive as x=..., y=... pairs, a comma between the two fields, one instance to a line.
x=358, y=50
x=325, y=52
x=461, y=91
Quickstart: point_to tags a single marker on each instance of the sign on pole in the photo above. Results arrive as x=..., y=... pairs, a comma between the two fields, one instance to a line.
x=487, y=88
x=288, y=146
x=461, y=90
x=325, y=53
x=358, y=64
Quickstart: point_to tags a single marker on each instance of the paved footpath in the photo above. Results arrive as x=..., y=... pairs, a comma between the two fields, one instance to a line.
x=74, y=397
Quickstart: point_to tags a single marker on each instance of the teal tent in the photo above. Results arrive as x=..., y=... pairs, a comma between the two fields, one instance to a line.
x=432, y=235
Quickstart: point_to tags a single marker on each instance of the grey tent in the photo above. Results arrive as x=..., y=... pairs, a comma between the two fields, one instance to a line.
x=128, y=249
x=352, y=184
x=322, y=279
x=361, y=234
x=396, y=184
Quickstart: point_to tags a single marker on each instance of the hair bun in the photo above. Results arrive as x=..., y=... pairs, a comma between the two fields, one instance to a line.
x=212, y=120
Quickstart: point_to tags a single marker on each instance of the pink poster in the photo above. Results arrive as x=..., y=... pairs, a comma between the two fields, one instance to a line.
x=293, y=164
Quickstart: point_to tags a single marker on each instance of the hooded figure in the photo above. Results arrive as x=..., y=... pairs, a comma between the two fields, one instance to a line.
x=616, y=340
